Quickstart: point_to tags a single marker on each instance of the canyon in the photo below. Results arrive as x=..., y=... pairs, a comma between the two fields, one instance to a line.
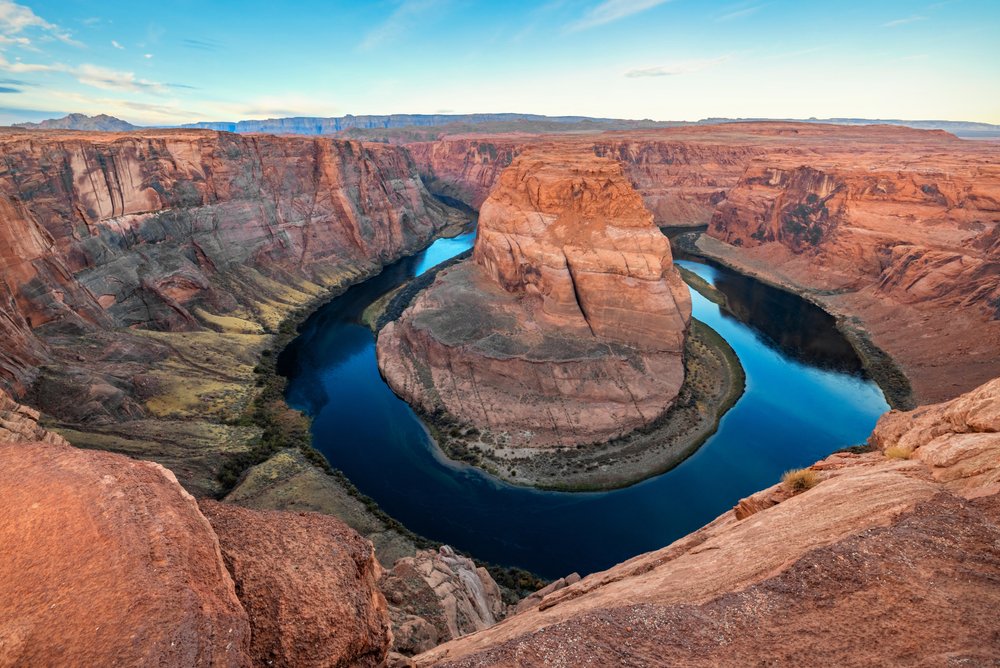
x=150, y=278
x=891, y=229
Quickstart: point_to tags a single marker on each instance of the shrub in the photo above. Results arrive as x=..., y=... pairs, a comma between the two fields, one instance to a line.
x=800, y=480
x=898, y=452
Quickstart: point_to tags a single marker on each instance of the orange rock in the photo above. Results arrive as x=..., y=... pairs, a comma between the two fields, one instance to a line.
x=309, y=584
x=568, y=324
x=108, y=561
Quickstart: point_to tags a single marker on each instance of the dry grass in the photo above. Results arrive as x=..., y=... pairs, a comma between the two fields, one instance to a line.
x=898, y=452
x=800, y=480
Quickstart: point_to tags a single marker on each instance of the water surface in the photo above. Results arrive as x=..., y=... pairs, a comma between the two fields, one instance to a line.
x=805, y=397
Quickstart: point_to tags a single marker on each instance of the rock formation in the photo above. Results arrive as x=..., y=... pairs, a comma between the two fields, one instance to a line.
x=309, y=585
x=568, y=324
x=108, y=561
x=891, y=228
x=437, y=595
x=906, y=533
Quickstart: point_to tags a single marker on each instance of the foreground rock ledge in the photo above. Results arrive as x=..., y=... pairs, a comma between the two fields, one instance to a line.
x=890, y=559
x=567, y=326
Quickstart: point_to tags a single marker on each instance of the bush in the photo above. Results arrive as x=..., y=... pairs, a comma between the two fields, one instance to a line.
x=898, y=452
x=800, y=480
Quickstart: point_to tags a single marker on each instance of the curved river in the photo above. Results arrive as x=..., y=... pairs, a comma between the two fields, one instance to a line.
x=805, y=397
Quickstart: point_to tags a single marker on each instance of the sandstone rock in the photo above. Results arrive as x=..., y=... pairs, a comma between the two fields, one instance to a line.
x=910, y=542
x=19, y=424
x=568, y=324
x=437, y=595
x=309, y=585
x=108, y=561
x=897, y=227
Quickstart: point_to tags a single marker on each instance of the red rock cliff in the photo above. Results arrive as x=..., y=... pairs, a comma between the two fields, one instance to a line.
x=144, y=230
x=568, y=324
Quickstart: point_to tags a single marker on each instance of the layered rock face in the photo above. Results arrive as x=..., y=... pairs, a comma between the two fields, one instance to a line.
x=894, y=227
x=167, y=229
x=907, y=533
x=568, y=324
x=435, y=596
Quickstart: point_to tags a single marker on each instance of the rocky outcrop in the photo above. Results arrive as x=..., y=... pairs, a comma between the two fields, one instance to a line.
x=108, y=561
x=19, y=424
x=907, y=533
x=568, y=324
x=437, y=595
x=309, y=585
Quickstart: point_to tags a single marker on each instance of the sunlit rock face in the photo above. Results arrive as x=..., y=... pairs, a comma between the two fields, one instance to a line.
x=568, y=323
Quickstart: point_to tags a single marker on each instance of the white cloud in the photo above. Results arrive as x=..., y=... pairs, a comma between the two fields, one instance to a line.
x=402, y=19
x=147, y=56
x=15, y=19
x=91, y=75
x=612, y=10
x=903, y=22
x=115, y=44
x=675, y=69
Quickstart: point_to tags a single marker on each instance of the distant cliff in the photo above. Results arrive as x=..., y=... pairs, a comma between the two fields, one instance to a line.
x=99, y=123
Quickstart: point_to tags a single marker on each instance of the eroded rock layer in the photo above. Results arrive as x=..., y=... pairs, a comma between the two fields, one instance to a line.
x=567, y=325
x=171, y=230
x=893, y=228
x=906, y=533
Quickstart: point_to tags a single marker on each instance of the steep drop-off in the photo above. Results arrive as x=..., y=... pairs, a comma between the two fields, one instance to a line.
x=143, y=274
x=906, y=533
x=567, y=325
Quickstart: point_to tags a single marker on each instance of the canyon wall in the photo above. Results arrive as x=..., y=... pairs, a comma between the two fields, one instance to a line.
x=892, y=229
x=567, y=325
x=142, y=275
x=906, y=533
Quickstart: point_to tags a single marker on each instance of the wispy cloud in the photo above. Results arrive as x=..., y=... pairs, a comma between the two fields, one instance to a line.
x=675, y=69
x=612, y=10
x=903, y=21
x=94, y=76
x=115, y=44
x=202, y=44
x=740, y=11
x=15, y=19
x=404, y=17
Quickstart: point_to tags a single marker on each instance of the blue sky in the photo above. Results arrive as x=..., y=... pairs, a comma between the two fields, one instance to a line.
x=185, y=60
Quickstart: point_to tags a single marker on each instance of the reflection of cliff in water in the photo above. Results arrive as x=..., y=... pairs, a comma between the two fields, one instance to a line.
x=795, y=326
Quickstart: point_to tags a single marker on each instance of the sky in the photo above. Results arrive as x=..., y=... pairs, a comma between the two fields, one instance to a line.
x=177, y=61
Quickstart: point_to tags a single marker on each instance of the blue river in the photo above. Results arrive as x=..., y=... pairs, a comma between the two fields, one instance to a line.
x=806, y=396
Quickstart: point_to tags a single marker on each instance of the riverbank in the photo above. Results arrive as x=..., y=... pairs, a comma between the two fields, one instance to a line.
x=714, y=381
x=880, y=366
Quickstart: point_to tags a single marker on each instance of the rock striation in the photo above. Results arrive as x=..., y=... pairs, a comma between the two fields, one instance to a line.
x=435, y=596
x=891, y=228
x=567, y=326
x=907, y=533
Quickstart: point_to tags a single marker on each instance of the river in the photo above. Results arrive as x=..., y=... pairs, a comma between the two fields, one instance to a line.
x=806, y=396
